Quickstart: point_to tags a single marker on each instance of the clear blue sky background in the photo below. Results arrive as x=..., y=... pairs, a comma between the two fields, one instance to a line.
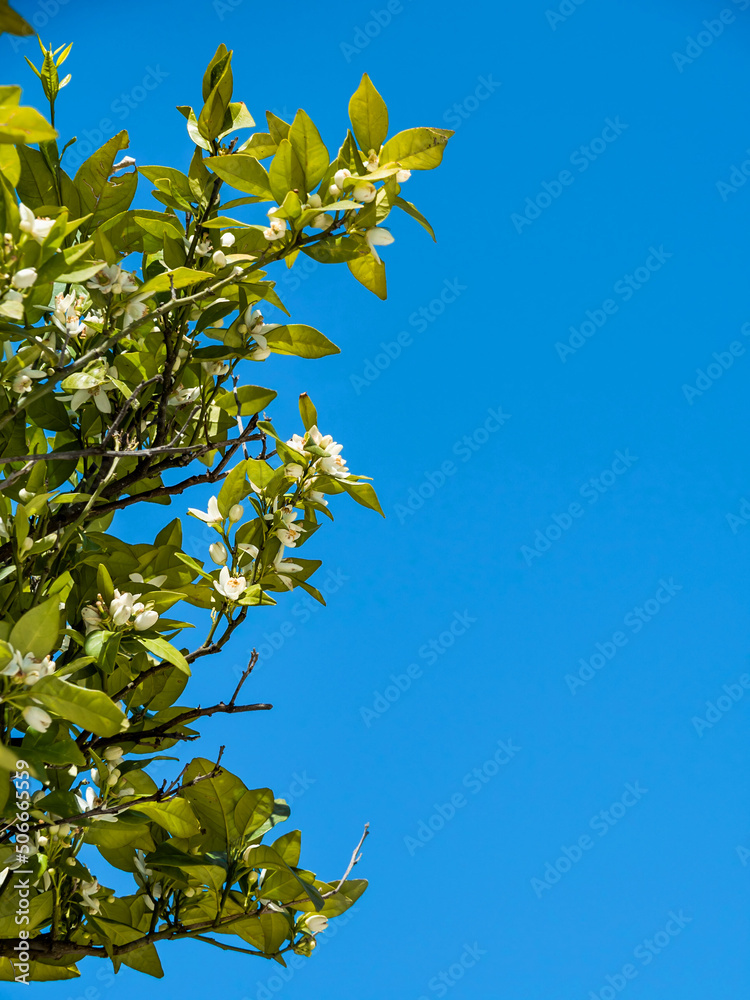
x=402, y=582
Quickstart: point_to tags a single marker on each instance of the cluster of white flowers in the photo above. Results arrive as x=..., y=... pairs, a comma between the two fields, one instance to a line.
x=125, y=610
x=277, y=228
x=25, y=668
x=67, y=314
x=330, y=463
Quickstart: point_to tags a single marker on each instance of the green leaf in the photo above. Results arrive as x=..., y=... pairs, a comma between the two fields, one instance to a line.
x=91, y=710
x=301, y=341
x=277, y=127
x=175, y=816
x=307, y=411
x=252, y=399
x=243, y=172
x=285, y=173
x=144, y=960
x=416, y=148
x=166, y=651
x=370, y=273
x=181, y=277
x=37, y=631
x=222, y=803
x=364, y=494
x=309, y=148
x=337, y=249
x=232, y=489
x=100, y=196
x=20, y=125
x=237, y=116
x=406, y=206
x=369, y=116
x=289, y=846
x=259, y=145
x=14, y=24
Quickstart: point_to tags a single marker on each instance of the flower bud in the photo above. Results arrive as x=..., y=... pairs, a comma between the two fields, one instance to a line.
x=235, y=512
x=219, y=258
x=293, y=470
x=340, y=176
x=227, y=240
x=146, y=619
x=218, y=553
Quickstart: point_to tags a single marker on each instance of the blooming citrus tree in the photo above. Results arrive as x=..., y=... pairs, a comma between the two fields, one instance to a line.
x=128, y=334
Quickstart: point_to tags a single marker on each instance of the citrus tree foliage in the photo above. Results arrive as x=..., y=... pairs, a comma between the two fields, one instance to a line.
x=128, y=334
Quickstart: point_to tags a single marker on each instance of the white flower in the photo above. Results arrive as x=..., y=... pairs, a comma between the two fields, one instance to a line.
x=276, y=229
x=145, y=619
x=294, y=471
x=377, y=237
x=97, y=393
x=215, y=368
x=204, y=248
x=219, y=258
x=317, y=497
x=66, y=316
x=283, y=567
x=372, y=161
x=211, y=516
x=39, y=229
x=298, y=443
x=27, y=668
x=251, y=550
x=155, y=581
x=91, y=619
x=22, y=381
x=235, y=513
x=364, y=191
x=112, y=278
x=24, y=278
x=340, y=176
x=36, y=718
x=289, y=533
x=218, y=553
x=135, y=309
x=403, y=176
x=332, y=464
x=183, y=396
x=121, y=608
x=227, y=239
x=88, y=890
x=229, y=586
x=314, y=923
x=322, y=221
x=261, y=351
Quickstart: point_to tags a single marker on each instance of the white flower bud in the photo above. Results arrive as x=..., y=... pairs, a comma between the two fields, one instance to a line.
x=24, y=278
x=218, y=553
x=314, y=201
x=146, y=619
x=219, y=258
x=340, y=176
x=227, y=240
x=235, y=513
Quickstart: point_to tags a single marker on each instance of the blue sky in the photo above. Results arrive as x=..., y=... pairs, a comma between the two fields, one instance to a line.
x=571, y=592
